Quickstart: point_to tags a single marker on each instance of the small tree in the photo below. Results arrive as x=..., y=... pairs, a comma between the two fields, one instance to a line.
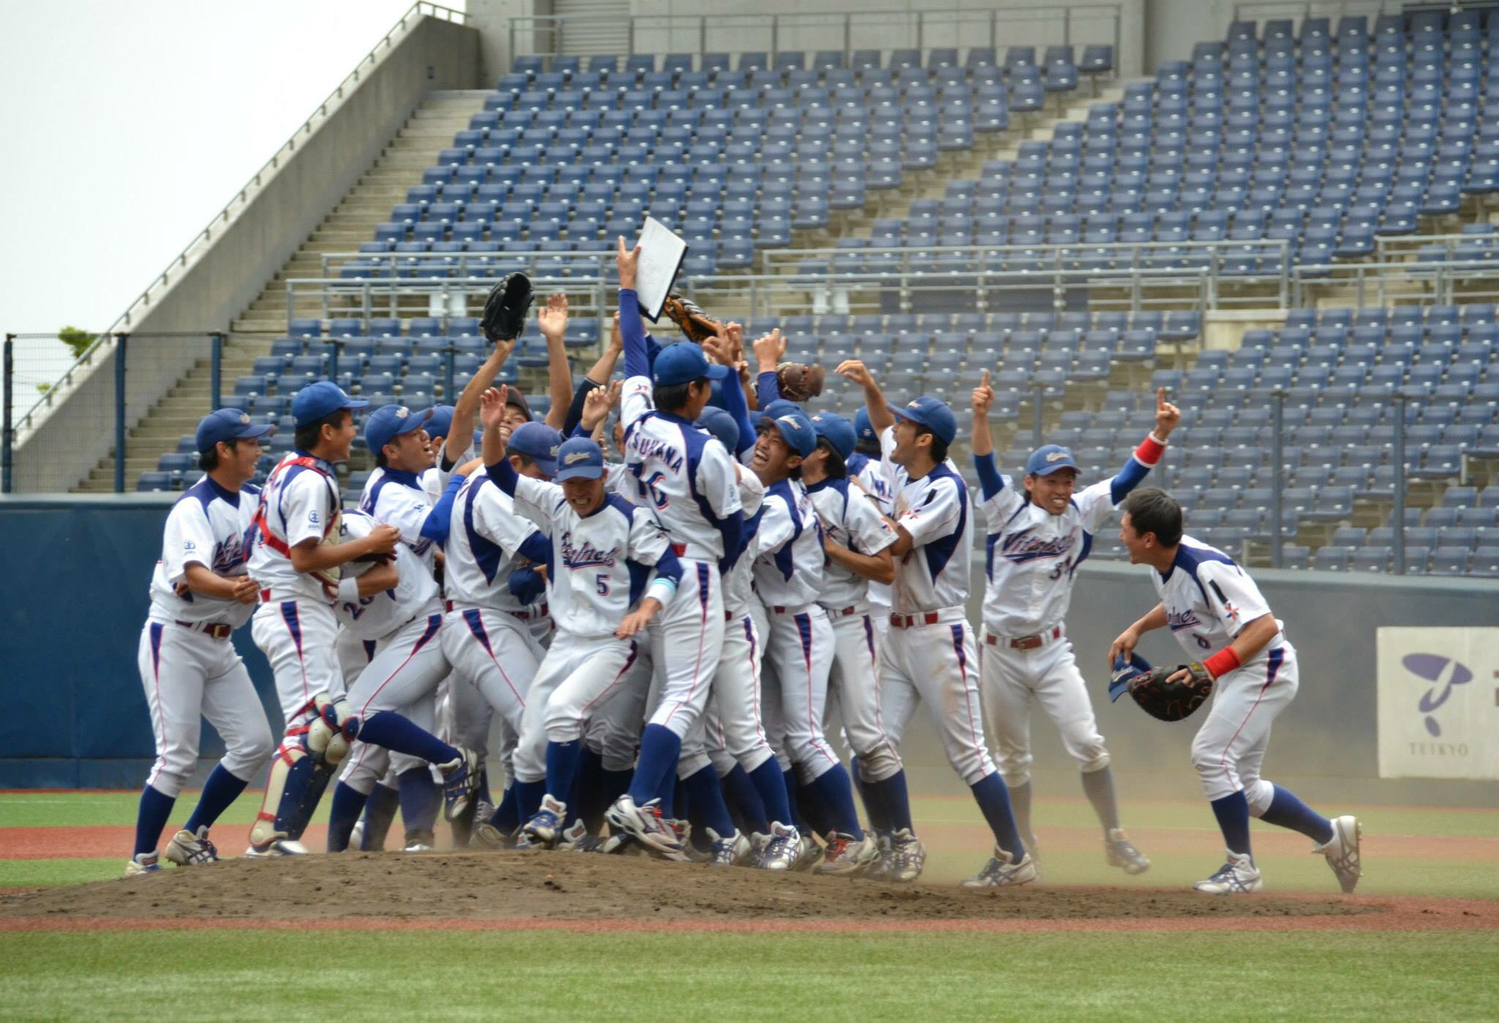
x=78, y=342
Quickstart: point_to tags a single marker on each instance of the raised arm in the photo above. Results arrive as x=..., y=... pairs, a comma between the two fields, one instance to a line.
x=720, y=350
x=1167, y=417
x=553, y=323
x=631, y=329
x=596, y=377
x=768, y=353
x=880, y=416
x=461, y=433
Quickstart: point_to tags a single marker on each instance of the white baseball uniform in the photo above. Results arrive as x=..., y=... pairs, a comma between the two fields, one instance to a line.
x=187, y=661
x=853, y=520
x=1029, y=566
x=871, y=474
x=1208, y=600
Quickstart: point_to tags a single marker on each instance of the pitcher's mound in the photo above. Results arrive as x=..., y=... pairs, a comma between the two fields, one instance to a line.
x=572, y=886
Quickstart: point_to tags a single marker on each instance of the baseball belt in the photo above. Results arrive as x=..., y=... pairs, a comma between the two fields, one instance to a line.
x=218, y=630
x=1024, y=642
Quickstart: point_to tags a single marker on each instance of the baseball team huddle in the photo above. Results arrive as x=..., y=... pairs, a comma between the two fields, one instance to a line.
x=679, y=648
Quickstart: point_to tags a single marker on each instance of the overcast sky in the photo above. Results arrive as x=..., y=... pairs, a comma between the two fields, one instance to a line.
x=128, y=124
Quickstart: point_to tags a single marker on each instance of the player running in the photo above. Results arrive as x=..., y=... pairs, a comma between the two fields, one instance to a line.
x=1217, y=614
x=1035, y=540
x=199, y=595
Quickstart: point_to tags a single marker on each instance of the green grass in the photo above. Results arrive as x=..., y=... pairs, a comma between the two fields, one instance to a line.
x=549, y=975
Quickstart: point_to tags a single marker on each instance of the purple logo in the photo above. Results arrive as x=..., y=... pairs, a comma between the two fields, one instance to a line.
x=1441, y=672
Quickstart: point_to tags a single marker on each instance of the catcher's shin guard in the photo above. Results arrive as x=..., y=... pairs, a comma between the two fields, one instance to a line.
x=335, y=726
x=317, y=784
x=292, y=770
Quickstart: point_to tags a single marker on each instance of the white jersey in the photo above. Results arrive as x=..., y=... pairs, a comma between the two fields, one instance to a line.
x=933, y=509
x=486, y=540
x=377, y=616
x=205, y=527
x=300, y=502
x=738, y=583
x=401, y=499
x=436, y=479
x=872, y=476
x=682, y=473
x=1209, y=599
x=600, y=564
x=852, y=518
x=788, y=548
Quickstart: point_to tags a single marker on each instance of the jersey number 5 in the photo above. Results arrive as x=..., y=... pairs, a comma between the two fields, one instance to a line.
x=601, y=583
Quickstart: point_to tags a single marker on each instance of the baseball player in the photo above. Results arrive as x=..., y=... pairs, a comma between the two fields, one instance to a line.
x=295, y=556
x=865, y=466
x=688, y=480
x=929, y=653
x=1036, y=537
x=1219, y=617
x=199, y=595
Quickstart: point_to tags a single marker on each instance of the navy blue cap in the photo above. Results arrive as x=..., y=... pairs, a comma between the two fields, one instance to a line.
x=1125, y=671
x=227, y=424
x=719, y=423
x=1047, y=459
x=388, y=422
x=780, y=407
x=683, y=362
x=796, y=429
x=838, y=432
x=441, y=420
x=320, y=400
x=579, y=458
x=863, y=428
x=538, y=442
x=931, y=413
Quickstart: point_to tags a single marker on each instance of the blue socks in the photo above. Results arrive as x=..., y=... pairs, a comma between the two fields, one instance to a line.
x=793, y=810
x=151, y=819
x=739, y=788
x=379, y=813
x=1286, y=811
x=528, y=797
x=994, y=800
x=562, y=768
x=1233, y=820
x=705, y=803
x=343, y=814
x=420, y=798
x=583, y=804
x=507, y=815
x=394, y=732
x=896, y=801
x=657, y=765
x=771, y=786
x=836, y=796
x=221, y=789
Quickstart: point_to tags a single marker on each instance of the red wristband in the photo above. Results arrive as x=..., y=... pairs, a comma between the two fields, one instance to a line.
x=1222, y=662
x=1150, y=450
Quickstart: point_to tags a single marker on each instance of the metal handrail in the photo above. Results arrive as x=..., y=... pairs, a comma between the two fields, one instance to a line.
x=1387, y=249
x=241, y=199
x=1250, y=10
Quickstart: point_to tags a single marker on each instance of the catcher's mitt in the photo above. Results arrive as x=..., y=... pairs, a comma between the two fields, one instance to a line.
x=695, y=324
x=506, y=307
x=799, y=382
x=1171, y=701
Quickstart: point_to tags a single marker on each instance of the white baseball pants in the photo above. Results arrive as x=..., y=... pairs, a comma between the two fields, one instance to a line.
x=854, y=686
x=1229, y=749
x=495, y=658
x=686, y=643
x=799, y=649
x=1014, y=680
x=614, y=729
x=578, y=675
x=300, y=639
x=937, y=664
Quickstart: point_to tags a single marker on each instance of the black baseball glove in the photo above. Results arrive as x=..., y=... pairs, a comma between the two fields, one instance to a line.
x=1171, y=701
x=506, y=307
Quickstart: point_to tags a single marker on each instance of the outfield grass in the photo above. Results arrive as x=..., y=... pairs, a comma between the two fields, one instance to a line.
x=547, y=975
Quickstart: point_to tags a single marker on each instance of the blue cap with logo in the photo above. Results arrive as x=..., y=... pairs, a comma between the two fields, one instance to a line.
x=1047, y=459
x=719, y=423
x=863, y=428
x=538, y=442
x=780, y=407
x=683, y=362
x=931, y=413
x=837, y=431
x=441, y=420
x=227, y=424
x=320, y=400
x=579, y=458
x=388, y=422
x=796, y=430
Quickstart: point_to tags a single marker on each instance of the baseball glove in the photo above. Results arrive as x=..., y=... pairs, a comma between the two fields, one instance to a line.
x=506, y=307
x=798, y=381
x=695, y=324
x=1171, y=701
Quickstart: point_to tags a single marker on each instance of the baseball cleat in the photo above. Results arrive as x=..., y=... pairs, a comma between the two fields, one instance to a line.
x=1238, y=876
x=810, y=853
x=273, y=850
x=683, y=830
x=356, y=836
x=541, y=831
x=460, y=780
x=574, y=836
x=1121, y=852
x=846, y=856
x=142, y=863
x=907, y=857
x=783, y=849
x=487, y=836
x=419, y=840
x=726, y=852
x=1342, y=851
x=644, y=824
x=1002, y=872
x=879, y=870
x=188, y=850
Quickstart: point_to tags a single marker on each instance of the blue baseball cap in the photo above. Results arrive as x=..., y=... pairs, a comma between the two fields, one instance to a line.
x=683, y=362
x=837, y=431
x=579, y=458
x=440, y=422
x=931, y=413
x=538, y=442
x=780, y=407
x=796, y=429
x=227, y=424
x=388, y=422
x=1125, y=672
x=320, y=400
x=1047, y=459
x=863, y=428
x=719, y=423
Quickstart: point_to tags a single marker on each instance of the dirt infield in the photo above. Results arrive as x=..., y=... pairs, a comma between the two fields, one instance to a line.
x=607, y=893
